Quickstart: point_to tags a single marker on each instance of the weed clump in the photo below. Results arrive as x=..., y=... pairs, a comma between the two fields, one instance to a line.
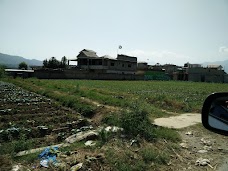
x=134, y=123
x=137, y=123
x=104, y=136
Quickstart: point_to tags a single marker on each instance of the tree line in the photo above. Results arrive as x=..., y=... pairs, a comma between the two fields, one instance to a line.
x=54, y=63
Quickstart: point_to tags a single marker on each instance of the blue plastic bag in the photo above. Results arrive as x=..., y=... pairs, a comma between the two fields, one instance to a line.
x=47, y=156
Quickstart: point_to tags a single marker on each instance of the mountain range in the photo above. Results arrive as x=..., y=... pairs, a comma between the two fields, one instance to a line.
x=11, y=61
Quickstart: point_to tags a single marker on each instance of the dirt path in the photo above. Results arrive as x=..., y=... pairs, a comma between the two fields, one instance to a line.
x=181, y=121
x=197, y=143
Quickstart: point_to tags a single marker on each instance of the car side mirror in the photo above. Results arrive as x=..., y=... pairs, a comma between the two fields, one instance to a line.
x=215, y=113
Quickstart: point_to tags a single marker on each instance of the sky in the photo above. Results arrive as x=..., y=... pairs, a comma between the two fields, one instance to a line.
x=155, y=31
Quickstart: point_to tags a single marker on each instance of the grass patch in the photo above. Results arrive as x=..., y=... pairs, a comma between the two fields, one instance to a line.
x=28, y=159
x=147, y=158
x=153, y=155
x=167, y=134
x=16, y=146
x=124, y=162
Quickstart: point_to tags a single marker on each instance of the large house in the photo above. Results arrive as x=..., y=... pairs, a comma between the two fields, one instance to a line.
x=123, y=64
x=197, y=73
x=206, y=74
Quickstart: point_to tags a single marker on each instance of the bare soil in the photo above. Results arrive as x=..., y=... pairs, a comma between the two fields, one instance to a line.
x=197, y=142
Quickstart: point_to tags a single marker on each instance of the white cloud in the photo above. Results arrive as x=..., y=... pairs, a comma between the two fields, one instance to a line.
x=223, y=49
x=163, y=57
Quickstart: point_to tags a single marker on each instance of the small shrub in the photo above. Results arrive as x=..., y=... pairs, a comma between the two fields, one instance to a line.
x=104, y=136
x=137, y=123
x=86, y=111
x=112, y=119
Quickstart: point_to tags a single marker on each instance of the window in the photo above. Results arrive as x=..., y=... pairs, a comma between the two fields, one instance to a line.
x=92, y=62
x=122, y=65
x=112, y=64
x=129, y=65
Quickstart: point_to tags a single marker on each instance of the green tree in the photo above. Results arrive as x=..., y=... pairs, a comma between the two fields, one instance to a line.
x=2, y=71
x=63, y=62
x=23, y=65
x=45, y=63
x=53, y=63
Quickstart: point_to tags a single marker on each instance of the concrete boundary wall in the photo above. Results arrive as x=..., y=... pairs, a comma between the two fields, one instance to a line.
x=79, y=74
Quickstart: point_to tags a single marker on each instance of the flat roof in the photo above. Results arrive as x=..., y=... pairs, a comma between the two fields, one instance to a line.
x=18, y=70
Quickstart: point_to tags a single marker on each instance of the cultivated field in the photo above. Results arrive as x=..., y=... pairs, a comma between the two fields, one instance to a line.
x=154, y=96
x=59, y=108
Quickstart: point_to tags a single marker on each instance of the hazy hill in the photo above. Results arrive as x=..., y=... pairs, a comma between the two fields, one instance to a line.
x=13, y=61
x=223, y=63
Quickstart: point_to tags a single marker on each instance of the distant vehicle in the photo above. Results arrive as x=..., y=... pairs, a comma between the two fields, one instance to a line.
x=215, y=113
